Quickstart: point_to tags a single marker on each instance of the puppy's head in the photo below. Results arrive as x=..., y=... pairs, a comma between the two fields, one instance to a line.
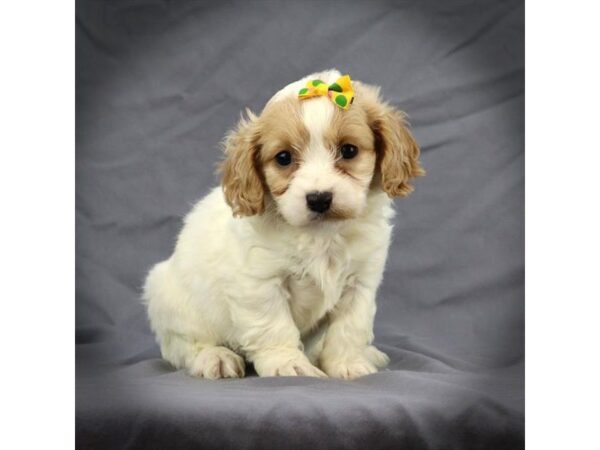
x=314, y=161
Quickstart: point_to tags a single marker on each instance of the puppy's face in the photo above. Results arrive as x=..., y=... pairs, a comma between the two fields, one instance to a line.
x=315, y=161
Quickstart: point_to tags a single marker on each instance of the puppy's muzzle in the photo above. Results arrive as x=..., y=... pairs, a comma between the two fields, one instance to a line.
x=319, y=202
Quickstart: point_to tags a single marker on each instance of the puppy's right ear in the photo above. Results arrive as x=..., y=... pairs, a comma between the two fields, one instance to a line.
x=242, y=179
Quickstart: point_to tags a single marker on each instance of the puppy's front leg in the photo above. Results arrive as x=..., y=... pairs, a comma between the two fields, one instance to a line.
x=347, y=351
x=267, y=333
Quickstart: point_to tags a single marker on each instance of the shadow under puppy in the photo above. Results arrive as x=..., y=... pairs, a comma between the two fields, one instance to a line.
x=281, y=265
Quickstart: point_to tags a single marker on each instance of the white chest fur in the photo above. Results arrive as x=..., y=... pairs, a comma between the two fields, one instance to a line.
x=318, y=275
x=315, y=265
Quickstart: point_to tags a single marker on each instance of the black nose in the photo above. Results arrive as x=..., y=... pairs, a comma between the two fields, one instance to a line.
x=319, y=201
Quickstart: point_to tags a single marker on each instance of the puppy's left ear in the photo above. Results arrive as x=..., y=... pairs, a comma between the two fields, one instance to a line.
x=397, y=150
x=242, y=180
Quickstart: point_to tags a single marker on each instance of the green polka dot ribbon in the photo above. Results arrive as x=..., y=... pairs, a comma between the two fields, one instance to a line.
x=340, y=92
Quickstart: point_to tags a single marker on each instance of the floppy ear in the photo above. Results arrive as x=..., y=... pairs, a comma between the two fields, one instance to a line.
x=397, y=151
x=242, y=180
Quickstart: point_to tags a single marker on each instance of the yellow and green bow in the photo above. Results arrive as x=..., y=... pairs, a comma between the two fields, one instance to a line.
x=340, y=92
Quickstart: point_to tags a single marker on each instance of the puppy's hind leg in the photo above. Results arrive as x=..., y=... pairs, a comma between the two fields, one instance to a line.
x=186, y=340
x=205, y=361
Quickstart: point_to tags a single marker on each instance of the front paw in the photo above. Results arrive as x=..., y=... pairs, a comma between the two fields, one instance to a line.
x=285, y=363
x=358, y=365
x=376, y=356
x=349, y=368
x=217, y=362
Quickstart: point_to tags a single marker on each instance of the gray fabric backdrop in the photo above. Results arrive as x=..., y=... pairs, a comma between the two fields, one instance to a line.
x=158, y=85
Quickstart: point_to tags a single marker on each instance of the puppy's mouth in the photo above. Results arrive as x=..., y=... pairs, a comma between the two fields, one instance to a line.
x=317, y=217
x=333, y=214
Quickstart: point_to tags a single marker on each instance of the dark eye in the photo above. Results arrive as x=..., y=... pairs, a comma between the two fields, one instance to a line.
x=283, y=158
x=348, y=151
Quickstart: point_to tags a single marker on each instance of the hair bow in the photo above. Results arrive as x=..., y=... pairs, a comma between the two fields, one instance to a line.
x=340, y=92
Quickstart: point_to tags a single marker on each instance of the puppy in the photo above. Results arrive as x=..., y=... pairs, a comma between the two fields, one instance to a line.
x=281, y=265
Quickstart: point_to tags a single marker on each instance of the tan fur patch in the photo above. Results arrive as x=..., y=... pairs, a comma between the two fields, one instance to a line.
x=242, y=181
x=351, y=127
x=281, y=129
x=336, y=213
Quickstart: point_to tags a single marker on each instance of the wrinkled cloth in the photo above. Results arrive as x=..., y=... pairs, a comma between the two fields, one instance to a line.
x=158, y=86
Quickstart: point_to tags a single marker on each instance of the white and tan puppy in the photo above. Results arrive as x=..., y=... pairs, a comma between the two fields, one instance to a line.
x=281, y=265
